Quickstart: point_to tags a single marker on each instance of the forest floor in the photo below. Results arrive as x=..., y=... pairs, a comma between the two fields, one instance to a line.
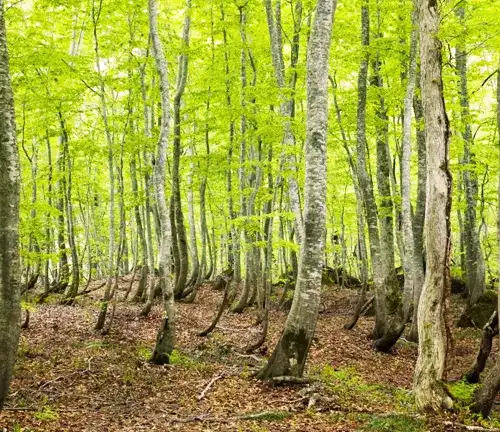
x=70, y=378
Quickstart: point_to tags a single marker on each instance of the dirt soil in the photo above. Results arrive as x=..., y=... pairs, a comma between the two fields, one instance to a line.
x=70, y=378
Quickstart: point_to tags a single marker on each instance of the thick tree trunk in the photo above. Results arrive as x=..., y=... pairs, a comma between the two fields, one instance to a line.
x=289, y=356
x=433, y=333
x=10, y=270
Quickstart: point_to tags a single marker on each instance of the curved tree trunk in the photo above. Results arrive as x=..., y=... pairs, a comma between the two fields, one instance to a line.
x=490, y=330
x=182, y=73
x=165, y=339
x=289, y=356
x=433, y=334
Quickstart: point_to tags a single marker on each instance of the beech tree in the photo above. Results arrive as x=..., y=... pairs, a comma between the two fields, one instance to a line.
x=289, y=356
x=433, y=333
x=10, y=181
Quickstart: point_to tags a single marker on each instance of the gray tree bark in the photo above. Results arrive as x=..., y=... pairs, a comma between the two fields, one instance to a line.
x=96, y=13
x=433, y=336
x=366, y=185
x=474, y=261
x=485, y=395
x=287, y=105
x=289, y=356
x=10, y=180
x=182, y=72
x=412, y=265
x=419, y=215
x=165, y=339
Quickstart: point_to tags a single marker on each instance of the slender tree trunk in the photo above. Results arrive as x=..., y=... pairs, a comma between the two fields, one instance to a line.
x=360, y=219
x=10, y=273
x=419, y=215
x=189, y=294
x=165, y=339
x=433, y=334
x=140, y=231
x=182, y=73
x=490, y=330
x=474, y=261
x=289, y=356
x=287, y=106
x=96, y=13
x=485, y=395
x=72, y=289
x=412, y=265
x=242, y=300
x=366, y=185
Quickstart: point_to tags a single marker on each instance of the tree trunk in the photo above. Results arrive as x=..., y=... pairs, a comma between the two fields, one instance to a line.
x=10, y=274
x=433, y=334
x=140, y=231
x=490, y=330
x=287, y=107
x=182, y=73
x=474, y=261
x=412, y=265
x=165, y=339
x=486, y=394
x=96, y=13
x=366, y=184
x=289, y=356
x=419, y=215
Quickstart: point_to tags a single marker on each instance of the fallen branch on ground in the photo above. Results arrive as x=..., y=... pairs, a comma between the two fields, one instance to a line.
x=471, y=428
x=210, y=384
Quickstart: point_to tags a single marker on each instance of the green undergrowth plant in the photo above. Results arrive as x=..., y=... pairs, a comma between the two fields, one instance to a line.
x=462, y=393
x=394, y=423
x=46, y=414
x=349, y=387
x=268, y=416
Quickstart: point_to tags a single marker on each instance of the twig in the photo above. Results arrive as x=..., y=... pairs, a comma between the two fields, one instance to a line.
x=471, y=428
x=290, y=380
x=252, y=356
x=210, y=384
x=59, y=378
x=206, y=417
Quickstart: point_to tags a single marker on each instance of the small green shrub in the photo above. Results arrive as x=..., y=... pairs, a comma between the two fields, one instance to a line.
x=180, y=359
x=144, y=353
x=268, y=416
x=462, y=392
x=46, y=414
x=96, y=344
x=395, y=423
